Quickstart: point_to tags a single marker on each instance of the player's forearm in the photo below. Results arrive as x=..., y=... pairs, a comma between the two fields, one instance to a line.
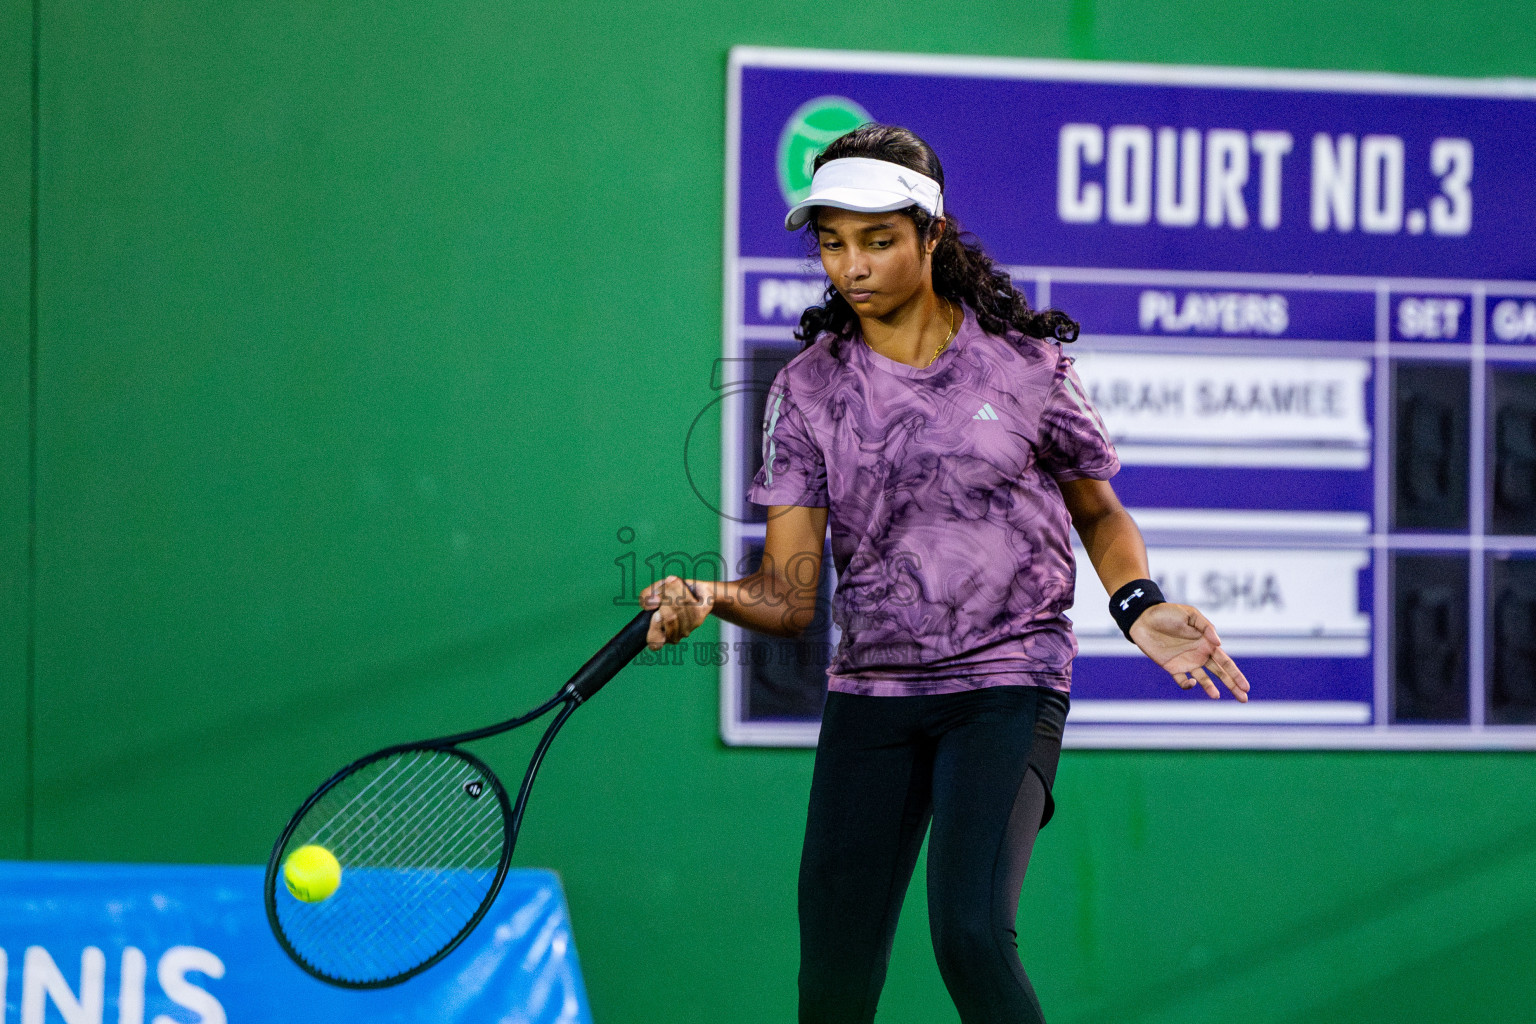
x=1116, y=549
x=763, y=602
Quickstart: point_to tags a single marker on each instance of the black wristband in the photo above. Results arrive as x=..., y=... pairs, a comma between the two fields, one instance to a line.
x=1131, y=600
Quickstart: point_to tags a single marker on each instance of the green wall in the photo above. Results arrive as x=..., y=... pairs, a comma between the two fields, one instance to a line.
x=363, y=330
x=15, y=415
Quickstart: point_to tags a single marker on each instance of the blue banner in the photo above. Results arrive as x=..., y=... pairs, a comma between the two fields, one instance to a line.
x=162, y=944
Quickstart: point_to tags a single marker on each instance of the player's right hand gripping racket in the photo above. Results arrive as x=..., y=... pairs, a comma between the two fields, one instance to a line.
x=422, y=834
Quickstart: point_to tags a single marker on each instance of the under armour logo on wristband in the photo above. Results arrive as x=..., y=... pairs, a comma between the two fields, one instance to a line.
x=1127, y=603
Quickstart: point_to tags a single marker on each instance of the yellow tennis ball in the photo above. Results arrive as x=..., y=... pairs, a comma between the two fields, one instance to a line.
x=312, y=873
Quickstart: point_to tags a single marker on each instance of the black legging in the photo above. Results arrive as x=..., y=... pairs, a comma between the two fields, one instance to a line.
x=979, y=764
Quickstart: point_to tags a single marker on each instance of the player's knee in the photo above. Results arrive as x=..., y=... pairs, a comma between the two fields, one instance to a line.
x=964, y=943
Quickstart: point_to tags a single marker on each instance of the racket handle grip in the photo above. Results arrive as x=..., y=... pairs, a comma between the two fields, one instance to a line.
x=616, y=653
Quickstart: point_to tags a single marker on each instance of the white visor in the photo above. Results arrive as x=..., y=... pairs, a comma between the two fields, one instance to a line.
x=868, y=186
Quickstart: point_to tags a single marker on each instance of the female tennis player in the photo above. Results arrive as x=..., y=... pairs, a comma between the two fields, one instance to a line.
x=934, y=420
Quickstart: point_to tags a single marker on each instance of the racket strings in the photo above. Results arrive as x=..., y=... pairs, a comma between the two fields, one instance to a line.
x=380, y=840
x=321, y=832
x=441, y=845
x=445, y=851
x=350, y=834
x=420, y=835
x=395, y=930
x=410, y=798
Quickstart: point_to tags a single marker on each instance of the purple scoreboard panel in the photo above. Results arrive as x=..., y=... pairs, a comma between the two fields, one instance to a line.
x=1309, y=320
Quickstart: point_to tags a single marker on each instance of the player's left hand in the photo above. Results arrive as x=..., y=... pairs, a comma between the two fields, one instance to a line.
x=1184, y=642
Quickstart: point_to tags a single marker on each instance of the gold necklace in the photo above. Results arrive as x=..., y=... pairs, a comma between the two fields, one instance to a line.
x=952, y=327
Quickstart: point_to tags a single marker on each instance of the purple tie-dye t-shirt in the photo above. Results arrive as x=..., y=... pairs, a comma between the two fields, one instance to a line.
x=949, y=533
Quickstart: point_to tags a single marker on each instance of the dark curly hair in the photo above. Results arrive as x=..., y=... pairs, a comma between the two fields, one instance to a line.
x=961, y=269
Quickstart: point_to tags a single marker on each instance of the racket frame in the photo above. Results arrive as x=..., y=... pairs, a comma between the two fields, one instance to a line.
x=510, y=822
x=590, y=678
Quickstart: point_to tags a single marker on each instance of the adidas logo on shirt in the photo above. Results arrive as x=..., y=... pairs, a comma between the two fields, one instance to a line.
x=986, y=412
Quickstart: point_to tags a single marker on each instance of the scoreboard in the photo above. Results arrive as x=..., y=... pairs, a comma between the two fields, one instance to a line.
x=1308, y=304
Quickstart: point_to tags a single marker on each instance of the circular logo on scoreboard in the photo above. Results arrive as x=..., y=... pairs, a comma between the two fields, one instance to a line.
x=809, y=130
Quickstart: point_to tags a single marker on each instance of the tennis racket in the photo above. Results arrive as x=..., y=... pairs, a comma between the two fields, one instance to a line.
x=423, y=833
